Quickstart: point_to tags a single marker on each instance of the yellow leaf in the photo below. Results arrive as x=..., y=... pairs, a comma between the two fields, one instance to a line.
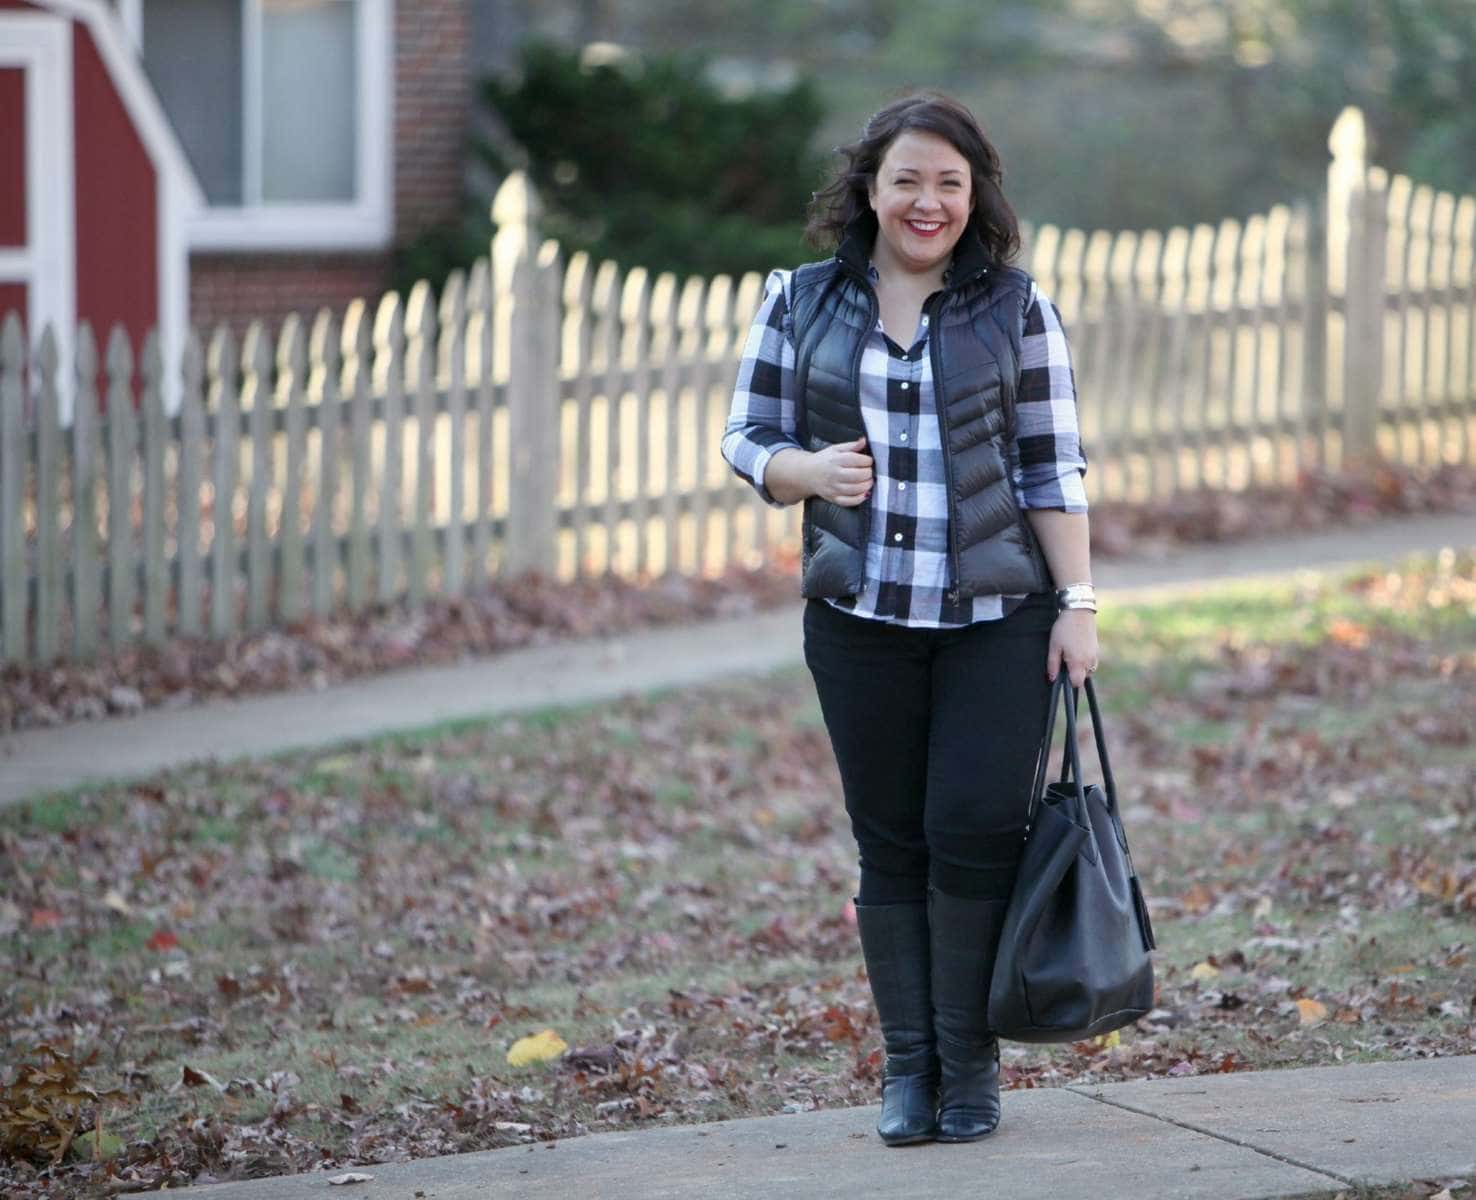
x=536, y=1048
x=1310, y=1012
x=1203, y=971
x=1108, y=1040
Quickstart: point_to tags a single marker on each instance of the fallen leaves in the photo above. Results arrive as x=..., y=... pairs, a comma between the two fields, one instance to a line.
x=384, y=921
x=540, y=1047
x=1311, y=1012
x=44, y=1109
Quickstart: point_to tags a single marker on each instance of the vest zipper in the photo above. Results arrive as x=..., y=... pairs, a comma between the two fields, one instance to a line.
x=856, y=355
x=939, y=401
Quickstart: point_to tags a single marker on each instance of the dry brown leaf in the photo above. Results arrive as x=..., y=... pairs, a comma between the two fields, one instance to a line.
x=1311, y=1012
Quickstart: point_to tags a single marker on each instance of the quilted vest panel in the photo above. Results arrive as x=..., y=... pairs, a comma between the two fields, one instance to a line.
x=975, y=336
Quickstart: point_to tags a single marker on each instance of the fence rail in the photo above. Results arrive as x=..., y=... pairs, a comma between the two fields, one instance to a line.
x=565, y=417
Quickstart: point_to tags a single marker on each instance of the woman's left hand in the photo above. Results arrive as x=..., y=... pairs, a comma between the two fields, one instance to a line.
x=1073, y=645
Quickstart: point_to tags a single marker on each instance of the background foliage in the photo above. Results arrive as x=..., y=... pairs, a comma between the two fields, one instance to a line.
x=699, y=150
x=644, y=160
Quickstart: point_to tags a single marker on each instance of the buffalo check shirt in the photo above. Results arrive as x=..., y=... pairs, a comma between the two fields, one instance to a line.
x=908, y=572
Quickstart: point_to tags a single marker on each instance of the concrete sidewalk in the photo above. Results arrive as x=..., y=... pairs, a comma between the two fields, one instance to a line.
x=39, y=761
x=1217, y=1137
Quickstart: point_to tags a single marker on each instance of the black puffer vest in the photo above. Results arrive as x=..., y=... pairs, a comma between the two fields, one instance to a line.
x=975, y=324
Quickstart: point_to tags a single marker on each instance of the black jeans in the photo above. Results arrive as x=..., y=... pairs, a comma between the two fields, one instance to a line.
x=936, y=733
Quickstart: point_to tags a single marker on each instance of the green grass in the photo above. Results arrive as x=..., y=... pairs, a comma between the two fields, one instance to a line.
x=672, y=870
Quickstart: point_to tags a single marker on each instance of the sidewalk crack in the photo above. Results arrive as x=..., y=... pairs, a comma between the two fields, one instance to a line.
x=1222, y=1137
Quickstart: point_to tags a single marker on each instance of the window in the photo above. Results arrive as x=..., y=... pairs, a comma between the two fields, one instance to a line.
x=283, y=108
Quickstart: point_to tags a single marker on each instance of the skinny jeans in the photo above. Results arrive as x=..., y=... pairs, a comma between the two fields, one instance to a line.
x=936, y=734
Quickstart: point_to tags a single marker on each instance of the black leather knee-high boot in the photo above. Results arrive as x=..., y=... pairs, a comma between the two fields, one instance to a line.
x=894, y=942
x=965, y=938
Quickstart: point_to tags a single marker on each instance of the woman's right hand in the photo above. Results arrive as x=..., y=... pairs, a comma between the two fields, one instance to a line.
x=841, y=473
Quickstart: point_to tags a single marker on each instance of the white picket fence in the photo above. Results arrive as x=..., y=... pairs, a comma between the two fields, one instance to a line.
x=1311, y=335
x=565, y=418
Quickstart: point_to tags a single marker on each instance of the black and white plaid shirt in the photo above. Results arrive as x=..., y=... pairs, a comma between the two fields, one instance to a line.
x=907, y=562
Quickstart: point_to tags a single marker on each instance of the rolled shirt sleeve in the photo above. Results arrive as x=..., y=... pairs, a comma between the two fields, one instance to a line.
x=1049, y=461
x=761, y=420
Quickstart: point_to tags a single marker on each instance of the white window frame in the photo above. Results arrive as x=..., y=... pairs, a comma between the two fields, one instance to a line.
x=41, y=46
x=366, y=223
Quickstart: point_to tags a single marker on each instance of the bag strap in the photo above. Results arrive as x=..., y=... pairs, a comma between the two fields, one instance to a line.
x=1099, y=736
x=1071, y=758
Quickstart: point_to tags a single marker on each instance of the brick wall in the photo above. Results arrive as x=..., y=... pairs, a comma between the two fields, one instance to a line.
x=432, y=109
x=238, y=287
x=432, y=104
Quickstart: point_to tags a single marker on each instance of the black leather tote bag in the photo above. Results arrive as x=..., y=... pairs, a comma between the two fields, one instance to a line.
x=1073, y=958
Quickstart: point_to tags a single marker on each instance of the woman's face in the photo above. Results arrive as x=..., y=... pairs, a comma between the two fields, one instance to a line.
x=922, y=196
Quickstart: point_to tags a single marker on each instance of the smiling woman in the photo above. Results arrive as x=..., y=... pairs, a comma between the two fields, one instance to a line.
x=915, y=392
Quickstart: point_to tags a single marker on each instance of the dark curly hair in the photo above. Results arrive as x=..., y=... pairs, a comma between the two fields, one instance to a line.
x=846, y=196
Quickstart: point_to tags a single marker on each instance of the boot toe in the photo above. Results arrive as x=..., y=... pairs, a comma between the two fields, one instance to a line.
x=967, y=1124
x=909, y=1105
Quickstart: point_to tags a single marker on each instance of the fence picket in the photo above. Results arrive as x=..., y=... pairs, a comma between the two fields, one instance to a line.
x=355, y=381
x=1463, y=367
x=1364, y=324
x=479, y=346
x=189, y=475
x=1439, y=318
x=291, y=372
x=1148, y=359
x=1117, y=353
x=86, y=453
x=156, y=580
x=420, y=381
x=1220, y=357
x=608, y=288
x=577, y=352
x=256, y=391
x=13, y=474
x=389, y=382
x=635, y=319
x=122, y=447
x=225, y=408
x=1169, y=395
x=451, y=374
x=323, y=392
x=720, y=309
x=689, y=317
x=665, y=344
x=50, y=564
x=1280, y=266
x=1247, y=345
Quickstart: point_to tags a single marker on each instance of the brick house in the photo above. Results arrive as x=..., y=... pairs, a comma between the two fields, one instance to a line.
x=301, y=142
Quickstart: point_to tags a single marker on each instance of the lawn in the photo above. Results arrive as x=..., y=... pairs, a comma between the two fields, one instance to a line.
x=324, y=959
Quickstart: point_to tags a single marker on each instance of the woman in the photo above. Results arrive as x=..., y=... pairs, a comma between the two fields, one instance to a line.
x=915, y=392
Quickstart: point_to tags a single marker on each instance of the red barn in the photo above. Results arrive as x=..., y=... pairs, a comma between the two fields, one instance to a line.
x=178, y=161
x=95, y=189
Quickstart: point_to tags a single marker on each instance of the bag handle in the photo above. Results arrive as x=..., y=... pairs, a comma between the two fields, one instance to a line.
x=1099, y=736
x=1071, y=758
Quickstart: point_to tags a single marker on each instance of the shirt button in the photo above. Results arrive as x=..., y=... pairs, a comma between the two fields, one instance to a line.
x=896, y=537
x=905, y=385
x=901, y=487
x=904, y=437
x=925, y=320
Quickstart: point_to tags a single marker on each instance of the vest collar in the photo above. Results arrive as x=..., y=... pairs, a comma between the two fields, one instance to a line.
x=970, y=258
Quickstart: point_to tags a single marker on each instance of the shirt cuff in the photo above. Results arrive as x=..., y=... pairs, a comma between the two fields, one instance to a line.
x=1063, y=490
x=760, y=471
